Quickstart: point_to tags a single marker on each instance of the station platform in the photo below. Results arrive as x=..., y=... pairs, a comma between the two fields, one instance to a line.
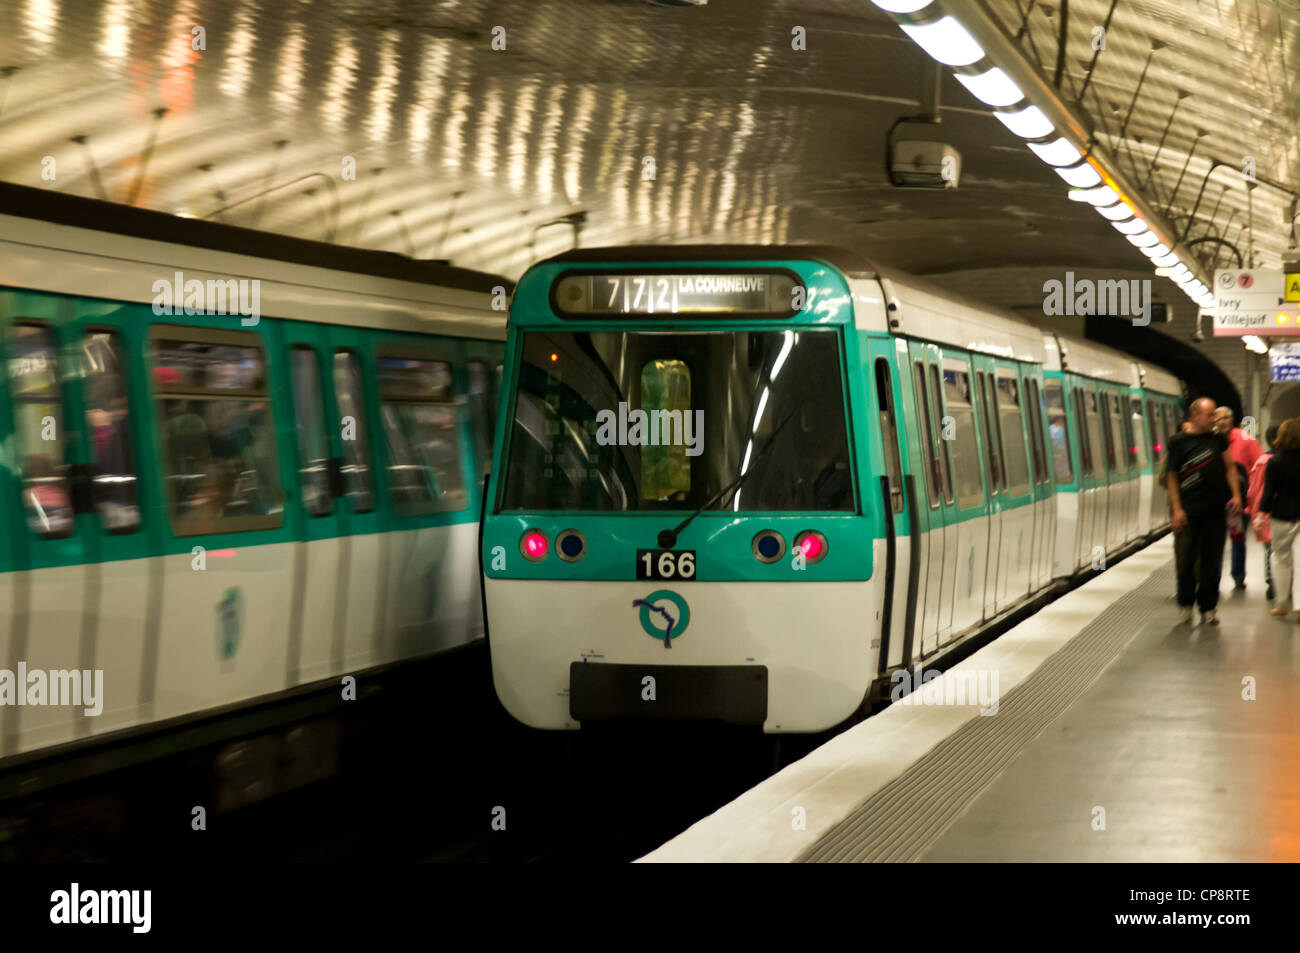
x=1117, y=735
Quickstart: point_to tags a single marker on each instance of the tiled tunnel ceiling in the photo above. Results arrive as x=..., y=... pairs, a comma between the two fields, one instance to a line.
x=467, y=153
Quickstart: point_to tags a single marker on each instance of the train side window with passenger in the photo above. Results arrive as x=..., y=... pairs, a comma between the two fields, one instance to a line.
x=352, y=413
x=1059, y=432
x=1011, y=421
x=38, y=425
x=1034, y=405
x=113, y=475
x=309, y=422
x=422, y=433
x=218, y=434
x=963, y=449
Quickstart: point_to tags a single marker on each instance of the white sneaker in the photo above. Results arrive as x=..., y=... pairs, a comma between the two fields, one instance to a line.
x=1210, y=618
x=1185, y=616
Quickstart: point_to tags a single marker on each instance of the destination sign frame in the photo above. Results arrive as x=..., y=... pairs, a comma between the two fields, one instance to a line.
x=675, y=294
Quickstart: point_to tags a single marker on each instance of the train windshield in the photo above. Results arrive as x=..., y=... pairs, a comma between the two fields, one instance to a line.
x=651, y=420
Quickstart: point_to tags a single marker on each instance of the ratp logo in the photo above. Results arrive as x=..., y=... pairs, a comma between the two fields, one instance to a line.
x=230, y=621
x=664, y=615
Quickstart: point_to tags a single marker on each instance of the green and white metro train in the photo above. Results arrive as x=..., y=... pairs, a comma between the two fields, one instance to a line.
x=751, y=483
x=212, y=509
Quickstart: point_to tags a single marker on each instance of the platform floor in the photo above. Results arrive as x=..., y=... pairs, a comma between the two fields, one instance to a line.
x=1107, y=704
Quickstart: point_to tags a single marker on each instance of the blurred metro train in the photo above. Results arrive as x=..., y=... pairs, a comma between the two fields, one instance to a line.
x=753, y=483
x=234, y=464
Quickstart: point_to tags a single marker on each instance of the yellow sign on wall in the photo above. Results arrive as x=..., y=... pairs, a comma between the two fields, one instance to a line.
x=1291, y=290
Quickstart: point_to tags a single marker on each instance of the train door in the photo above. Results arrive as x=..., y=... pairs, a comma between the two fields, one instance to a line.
x=966, y=449
x=996, y=479
x=1044, y=527
x=1059, y=409
x=936, y=516
x=337, y=584
x=1097, y=490
x=116, y=468
x=322, y=567
x=895, y=492
x=1017, y=548
x=51, y=592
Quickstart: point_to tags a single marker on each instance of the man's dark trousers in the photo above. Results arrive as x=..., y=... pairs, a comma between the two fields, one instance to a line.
x=1202, y=538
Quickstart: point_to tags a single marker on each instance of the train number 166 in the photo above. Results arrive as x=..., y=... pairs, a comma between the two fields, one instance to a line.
x=665, y=564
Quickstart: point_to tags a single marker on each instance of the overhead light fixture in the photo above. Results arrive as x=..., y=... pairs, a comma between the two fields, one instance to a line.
x=1165, y=261
x=1028, y=123
x=945, y=40
x=1143, y=239
x=1132, y=226
x=1059, y=152
x=902, y=6
x=1102, y=196
x=1118, y=212
x=996, y=88
x=1081, y=176
x=1157, y=251
x=1254, y=343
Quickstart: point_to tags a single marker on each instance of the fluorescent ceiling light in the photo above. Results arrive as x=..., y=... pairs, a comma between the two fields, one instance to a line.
x=1156, y=251
x=1132, y=226
x=946, y=40
x=997, y=89
x=1028, y=123
x=1143, y=239
x=1102, y=196
x=1254, y=343
x=1116, y=213
x=1080, y=176
x=1165, y=261
x=1059, y=152
x=902, y=6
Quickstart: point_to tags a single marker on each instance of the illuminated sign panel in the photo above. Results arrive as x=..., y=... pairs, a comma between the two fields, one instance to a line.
x=722, y=294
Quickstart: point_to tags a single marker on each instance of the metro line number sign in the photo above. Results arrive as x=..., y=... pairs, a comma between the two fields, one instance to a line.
x=1261, y=301
x=769, y=294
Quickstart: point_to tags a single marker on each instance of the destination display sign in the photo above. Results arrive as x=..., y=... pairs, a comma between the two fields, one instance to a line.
x=773, y=294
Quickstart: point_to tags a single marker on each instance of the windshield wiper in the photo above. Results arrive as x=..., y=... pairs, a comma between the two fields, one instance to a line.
x=668, y=537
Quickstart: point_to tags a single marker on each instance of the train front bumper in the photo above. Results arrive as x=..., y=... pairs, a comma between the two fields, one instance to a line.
x=791, y=657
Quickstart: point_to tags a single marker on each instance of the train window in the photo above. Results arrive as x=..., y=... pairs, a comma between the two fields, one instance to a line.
x=481, y=414
x=1012, y=432
x=959, y=402
x=584, y=435
x=1137, y=437
x=997, y=478
x=1104, y=424
x=1157, y=437
x=889, y=433
x=352, y=423
x=38, y=423
x=945, y=433
x=1118, y=427
x=218, y=436
x=309, y=422
x=1085, y=438
x=1034, y=409
x=1170, y=417
x=107, y=418
x=665, y=390
x=927, y=436
x=1058, y=431
x=1096, y=440
x=421, y=427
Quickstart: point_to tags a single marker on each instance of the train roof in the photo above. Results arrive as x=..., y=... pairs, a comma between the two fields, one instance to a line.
x=47, y=205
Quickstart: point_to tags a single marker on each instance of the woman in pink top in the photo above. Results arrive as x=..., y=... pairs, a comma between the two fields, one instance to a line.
x=1260, y=521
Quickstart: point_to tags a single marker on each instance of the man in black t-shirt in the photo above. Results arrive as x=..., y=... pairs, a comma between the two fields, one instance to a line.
x=1202, y=480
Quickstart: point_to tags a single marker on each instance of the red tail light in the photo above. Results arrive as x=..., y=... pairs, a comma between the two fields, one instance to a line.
x=533, y=544
x=812, y=544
